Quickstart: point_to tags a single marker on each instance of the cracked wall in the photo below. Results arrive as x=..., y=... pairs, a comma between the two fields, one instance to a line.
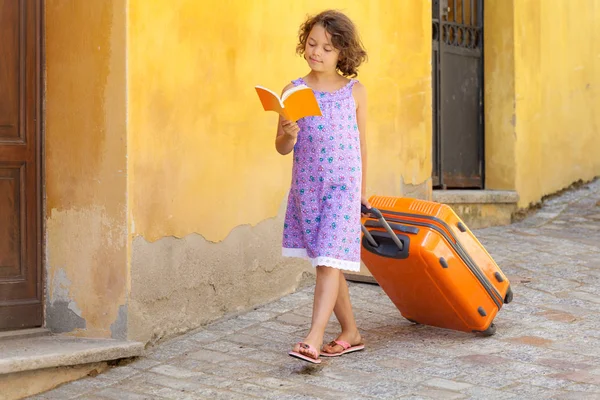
x=181, y=284
x=85, y=143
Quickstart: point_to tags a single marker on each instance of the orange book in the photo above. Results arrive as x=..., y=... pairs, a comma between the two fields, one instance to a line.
x=295, y=103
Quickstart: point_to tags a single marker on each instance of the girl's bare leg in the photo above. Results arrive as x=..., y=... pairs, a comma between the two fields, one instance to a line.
x=344, y=314
x=326, y=294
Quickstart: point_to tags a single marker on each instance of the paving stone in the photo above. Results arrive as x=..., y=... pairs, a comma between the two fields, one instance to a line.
x=384, y=389
x=297, y=397
x=120, y=394
x=440, y=372
x=66, y=391
x=564, y=365
x=428, y=393
x=89, y=384
x=256, y=391
x=269, y=357
x=205, y=336
x=574, y=396
x=294, y=319
x=187, y=387
x=279, y=327
x=559, y=316
x=583, y=388
x=278, y=307
x=585, y=296
x=269, y=335
x=211, y=356
x=144, y=363
x=173, y=372
x=258, y=315
x=527, y=391
x=208, y=379
x=231, y=348
x=231, y=325
x=119, y=373
x=146, y=388
x=490, y=379
x=480, y=392
x=276, y=383
x=579, y=376
x=550, y=382
x=174, y=349
x=234, y=374
x=447, y=384
x=531, y=340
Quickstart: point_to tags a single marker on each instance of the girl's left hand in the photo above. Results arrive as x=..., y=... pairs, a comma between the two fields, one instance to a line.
x=365, y=201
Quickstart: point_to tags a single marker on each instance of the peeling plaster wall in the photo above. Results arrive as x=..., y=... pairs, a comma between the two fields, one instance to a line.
x=180, y=284
x=205, y=181
x=86, y=231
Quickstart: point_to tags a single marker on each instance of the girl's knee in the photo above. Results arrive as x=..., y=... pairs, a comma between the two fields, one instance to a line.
x=324, y=269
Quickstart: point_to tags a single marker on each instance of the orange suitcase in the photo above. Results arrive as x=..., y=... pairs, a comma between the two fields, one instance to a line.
x=431, y=265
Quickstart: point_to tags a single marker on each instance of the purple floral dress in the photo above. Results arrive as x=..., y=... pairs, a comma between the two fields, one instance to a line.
x=322, y=221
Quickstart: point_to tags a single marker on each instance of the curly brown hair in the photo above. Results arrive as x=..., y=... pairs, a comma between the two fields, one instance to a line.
x=344, y=37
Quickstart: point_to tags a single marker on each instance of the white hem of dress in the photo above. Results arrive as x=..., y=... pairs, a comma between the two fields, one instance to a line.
x=324, y=261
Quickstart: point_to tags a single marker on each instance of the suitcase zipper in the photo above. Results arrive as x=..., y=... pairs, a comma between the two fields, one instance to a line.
x=492, y=292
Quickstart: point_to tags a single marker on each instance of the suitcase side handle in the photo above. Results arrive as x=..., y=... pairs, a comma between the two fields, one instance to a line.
x=396, y=227
x=383, y=223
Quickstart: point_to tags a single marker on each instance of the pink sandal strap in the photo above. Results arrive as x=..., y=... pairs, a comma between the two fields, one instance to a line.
x=345, y=345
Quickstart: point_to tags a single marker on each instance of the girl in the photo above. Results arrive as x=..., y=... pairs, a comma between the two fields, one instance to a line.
x=322, y=221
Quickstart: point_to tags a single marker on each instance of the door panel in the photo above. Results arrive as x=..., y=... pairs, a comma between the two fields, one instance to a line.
x=461, y=118
x=11, y=238
x=9, y=70
x=20, y=188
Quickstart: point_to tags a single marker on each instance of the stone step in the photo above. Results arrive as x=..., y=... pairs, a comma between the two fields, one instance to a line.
x=24, y=333
x=475, y=196
x=48, y=351
x=480, y=208
x=34, y=361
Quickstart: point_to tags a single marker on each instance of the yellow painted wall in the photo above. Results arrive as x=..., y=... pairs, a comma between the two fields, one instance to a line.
x=557, y=94
x=499, y=102
x=85, y=143
x=201, y=150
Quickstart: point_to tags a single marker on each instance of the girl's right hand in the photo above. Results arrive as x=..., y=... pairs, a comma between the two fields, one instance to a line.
x=290, y=128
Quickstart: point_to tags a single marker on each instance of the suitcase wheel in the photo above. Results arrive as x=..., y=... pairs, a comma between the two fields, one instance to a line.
x=410, y=320
x=489, y=331
x=509, y=296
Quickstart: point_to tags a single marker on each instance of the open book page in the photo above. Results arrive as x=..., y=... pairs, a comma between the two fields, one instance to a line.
x=269, y=95
x=301, y=103
x=295, y=103
x=291, y=91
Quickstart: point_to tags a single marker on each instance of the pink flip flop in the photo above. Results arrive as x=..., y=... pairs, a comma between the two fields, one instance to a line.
x=345, y=345
x=308, y=347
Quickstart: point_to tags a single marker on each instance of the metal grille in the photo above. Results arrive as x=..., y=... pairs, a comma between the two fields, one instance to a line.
x=457, y=68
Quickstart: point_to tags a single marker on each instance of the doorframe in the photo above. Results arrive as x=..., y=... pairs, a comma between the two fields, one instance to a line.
x=41, y=152
x=482, y=94
x=436, y=115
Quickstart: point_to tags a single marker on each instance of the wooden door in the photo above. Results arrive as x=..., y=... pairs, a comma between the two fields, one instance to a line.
x=20, y=143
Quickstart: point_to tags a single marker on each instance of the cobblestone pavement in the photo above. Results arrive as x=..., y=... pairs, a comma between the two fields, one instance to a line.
x=547, y=344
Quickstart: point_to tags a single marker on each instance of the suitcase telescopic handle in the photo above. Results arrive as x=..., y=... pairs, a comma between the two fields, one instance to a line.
x=383, y=223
